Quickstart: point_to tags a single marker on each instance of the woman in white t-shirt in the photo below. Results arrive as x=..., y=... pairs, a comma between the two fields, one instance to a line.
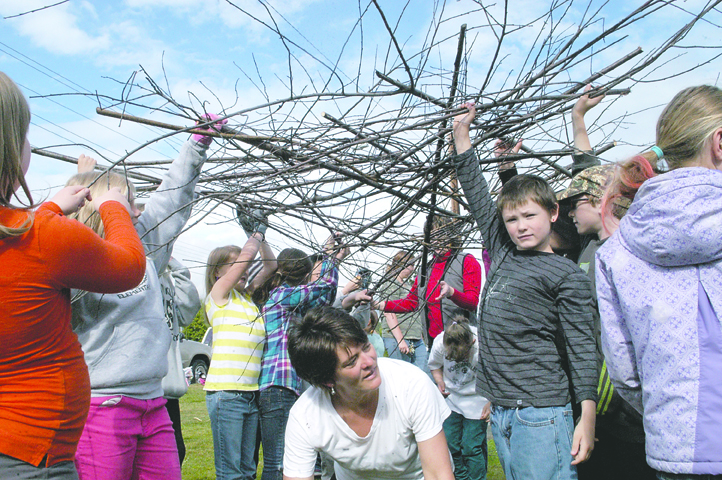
x=377, y=419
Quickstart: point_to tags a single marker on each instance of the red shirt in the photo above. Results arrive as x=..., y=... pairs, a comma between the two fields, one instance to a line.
x=467, y=299
x=44, y=382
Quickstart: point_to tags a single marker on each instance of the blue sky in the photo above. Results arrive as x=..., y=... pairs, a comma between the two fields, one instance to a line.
x=82, y=47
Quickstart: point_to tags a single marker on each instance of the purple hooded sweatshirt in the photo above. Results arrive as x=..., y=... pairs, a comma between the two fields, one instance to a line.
x=659, y=282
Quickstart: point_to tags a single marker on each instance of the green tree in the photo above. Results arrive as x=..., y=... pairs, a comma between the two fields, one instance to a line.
x=197, y=328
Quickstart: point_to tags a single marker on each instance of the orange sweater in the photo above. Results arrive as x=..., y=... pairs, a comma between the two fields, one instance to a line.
x=44, y=383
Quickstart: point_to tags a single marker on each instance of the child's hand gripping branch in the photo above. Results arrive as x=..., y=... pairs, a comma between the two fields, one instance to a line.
x=254, y=222
x=204, y=139
x=71, y=198
x=334, y=245
x=502, y=149
x=583, y=105
x=461, y=127
x=86, y=164
x=358, y=297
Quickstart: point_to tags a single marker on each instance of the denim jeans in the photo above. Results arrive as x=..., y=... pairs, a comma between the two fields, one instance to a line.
x=466, y=439
x=420, y=357
x=534, y=443
x=274, y=405
x=234, y=422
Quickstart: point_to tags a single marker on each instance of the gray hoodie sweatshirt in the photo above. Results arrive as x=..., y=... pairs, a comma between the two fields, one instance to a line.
x=124, y=336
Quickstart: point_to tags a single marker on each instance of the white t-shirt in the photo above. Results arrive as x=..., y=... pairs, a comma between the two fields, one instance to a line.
x=410, y=410
x=459, y=378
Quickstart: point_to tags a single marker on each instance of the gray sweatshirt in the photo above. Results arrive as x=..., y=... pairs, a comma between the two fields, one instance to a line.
x=124, y=336
x=181, y=303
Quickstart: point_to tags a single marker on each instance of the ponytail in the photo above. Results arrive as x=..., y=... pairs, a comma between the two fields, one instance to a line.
x=293, y=268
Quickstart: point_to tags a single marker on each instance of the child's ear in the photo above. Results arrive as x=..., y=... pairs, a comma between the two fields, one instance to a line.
x=555, y=213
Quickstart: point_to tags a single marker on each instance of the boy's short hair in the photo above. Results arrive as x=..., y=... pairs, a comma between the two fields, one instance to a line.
x=523, y=188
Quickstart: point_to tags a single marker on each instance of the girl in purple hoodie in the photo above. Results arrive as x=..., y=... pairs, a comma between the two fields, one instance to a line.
x=659, y=282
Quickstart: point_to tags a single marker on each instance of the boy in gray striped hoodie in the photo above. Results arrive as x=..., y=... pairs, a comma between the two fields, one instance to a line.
x=536, y=332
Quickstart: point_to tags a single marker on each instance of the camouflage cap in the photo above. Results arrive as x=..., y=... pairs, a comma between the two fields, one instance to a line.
x=592, y=181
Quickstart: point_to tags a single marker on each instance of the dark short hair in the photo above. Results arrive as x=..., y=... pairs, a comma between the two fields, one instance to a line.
x=523, y=188
x=313, y=342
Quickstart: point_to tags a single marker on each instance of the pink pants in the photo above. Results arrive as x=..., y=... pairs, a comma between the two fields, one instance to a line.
x=125, y=438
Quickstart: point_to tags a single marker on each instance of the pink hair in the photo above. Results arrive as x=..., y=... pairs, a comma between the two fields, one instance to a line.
x=628, y=177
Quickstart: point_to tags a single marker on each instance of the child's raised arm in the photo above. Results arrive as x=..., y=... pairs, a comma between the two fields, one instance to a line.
x=269, y=267
x=169, y=208
x=475, y=188
x=583, y=157
x=223, y=286
x=82, y=259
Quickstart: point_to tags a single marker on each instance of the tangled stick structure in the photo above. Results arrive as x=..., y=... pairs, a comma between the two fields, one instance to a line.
x=372, y=162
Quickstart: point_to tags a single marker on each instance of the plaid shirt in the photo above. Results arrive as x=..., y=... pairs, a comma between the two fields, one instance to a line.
x=285, y=306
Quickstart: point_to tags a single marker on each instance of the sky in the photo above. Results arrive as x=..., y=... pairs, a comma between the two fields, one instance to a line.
x=220, y=52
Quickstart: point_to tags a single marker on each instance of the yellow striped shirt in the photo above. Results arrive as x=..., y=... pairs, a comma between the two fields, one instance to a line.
x=238, y=339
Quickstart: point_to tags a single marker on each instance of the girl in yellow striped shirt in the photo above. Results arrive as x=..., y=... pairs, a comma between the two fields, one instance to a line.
x=238, y=339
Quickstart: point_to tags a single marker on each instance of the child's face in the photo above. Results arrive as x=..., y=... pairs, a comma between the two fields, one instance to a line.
x=224, y=269
x=587, y=218
x=530, y=226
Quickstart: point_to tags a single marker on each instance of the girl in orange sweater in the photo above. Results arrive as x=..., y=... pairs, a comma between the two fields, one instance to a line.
x=44, y=383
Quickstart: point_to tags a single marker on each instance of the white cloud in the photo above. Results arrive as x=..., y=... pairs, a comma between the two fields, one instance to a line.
x=56, y=29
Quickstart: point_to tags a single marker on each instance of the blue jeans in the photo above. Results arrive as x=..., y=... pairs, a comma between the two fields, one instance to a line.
x=534, y=443
x=234, y=422
x=274, y=405
x=466, y=439
x=420, y=357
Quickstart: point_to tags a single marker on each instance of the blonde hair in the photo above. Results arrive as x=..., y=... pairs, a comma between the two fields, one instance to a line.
x=100, y=183
x=14, y=124
x=216, y=259
x=683, y=128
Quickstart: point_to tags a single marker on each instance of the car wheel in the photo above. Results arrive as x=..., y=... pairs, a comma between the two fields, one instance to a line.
x=199, y=367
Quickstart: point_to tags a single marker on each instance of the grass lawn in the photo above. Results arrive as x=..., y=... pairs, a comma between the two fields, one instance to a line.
x=198, y=464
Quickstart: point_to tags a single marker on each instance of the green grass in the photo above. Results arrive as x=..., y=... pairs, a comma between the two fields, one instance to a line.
x=198, y=464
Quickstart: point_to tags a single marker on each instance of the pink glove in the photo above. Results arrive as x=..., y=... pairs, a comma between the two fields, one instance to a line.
x=205, y=140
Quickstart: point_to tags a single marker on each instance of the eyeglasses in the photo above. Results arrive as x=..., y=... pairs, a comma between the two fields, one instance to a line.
x=579, y=201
